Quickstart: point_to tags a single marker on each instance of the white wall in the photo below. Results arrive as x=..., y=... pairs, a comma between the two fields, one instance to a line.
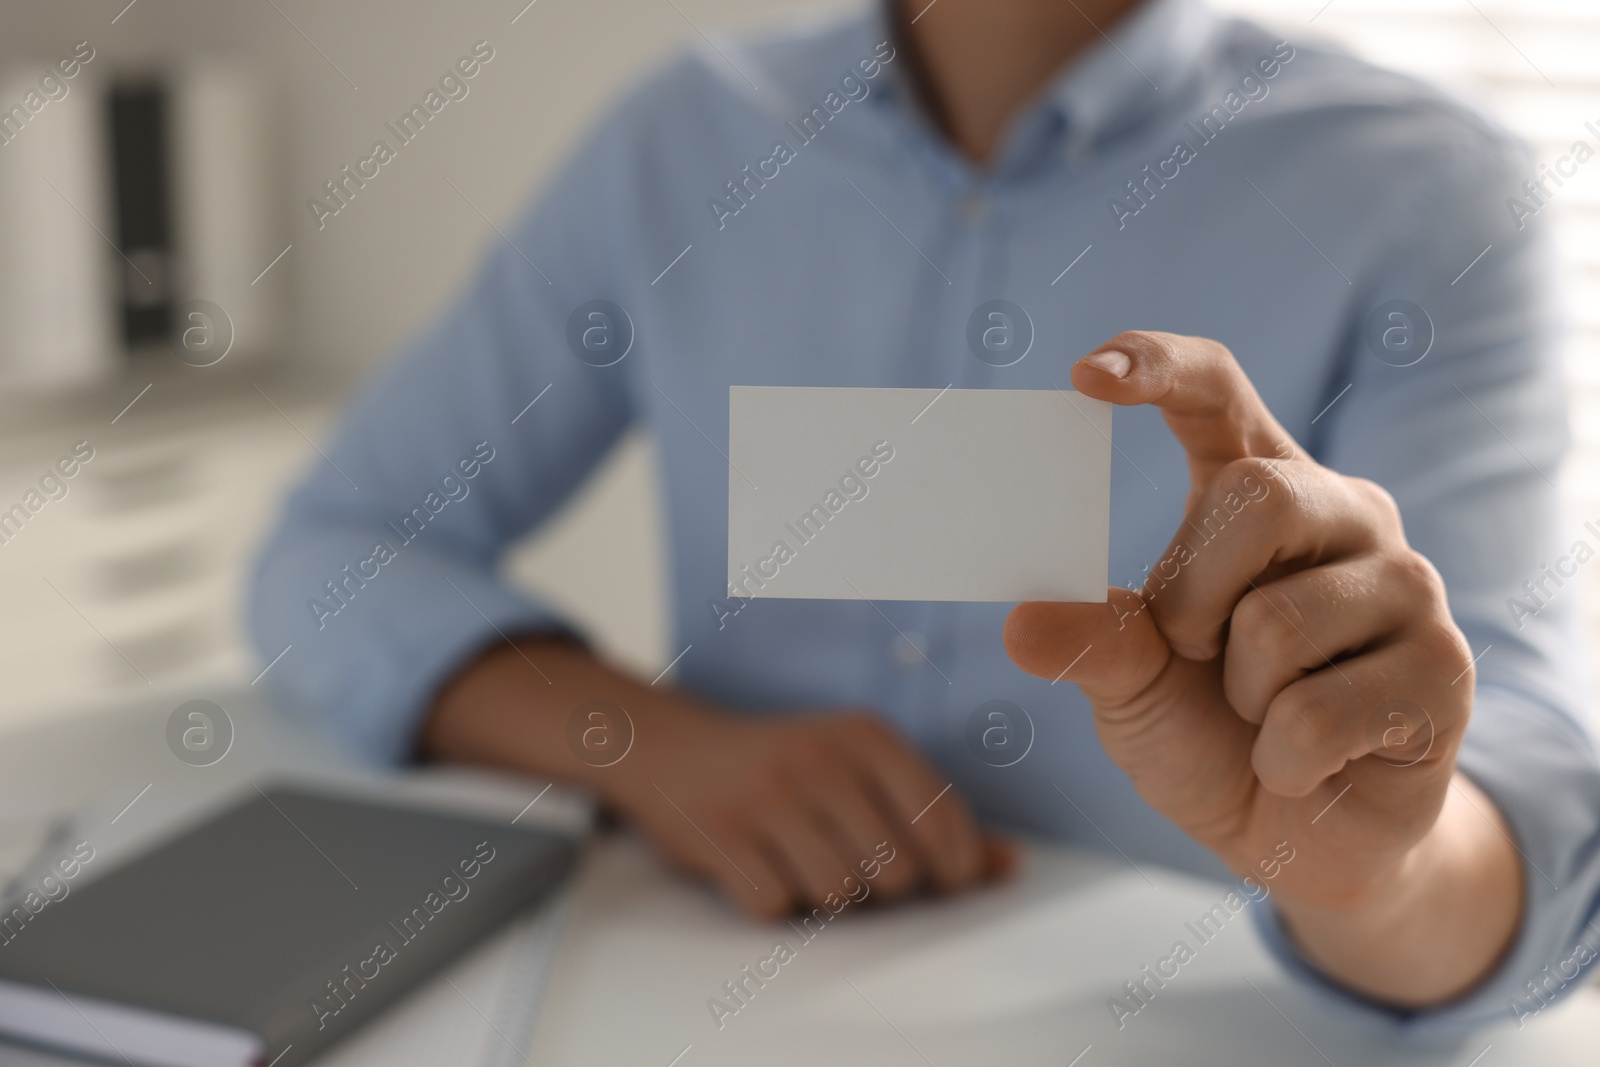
x=380, y=268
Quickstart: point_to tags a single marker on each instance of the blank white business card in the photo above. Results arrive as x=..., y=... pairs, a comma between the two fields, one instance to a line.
x=918, y=494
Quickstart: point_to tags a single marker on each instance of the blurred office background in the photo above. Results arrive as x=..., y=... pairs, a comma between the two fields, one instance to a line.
x=229, y=115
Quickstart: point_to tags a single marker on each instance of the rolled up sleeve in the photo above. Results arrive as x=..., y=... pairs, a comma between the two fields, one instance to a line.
x=380, y=579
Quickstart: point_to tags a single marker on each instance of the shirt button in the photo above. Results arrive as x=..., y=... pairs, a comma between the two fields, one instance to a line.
x=908, y=649
x=973, y=208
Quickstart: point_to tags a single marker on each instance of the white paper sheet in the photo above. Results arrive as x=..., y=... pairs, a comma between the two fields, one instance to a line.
x=918, y=494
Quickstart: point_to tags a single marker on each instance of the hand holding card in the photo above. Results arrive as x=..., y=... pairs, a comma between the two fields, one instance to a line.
x=1289, y=676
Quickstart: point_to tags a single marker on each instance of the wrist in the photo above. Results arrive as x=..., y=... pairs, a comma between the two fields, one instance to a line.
x=1431, y=926
x=665, y=728
x=1378, y=900
x=518, y=705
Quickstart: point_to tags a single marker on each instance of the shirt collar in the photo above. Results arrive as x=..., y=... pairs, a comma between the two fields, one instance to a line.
x=1134, y=68
x=1138, y=65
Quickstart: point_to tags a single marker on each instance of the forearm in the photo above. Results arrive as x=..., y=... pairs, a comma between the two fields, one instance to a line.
x=780, y=811
x=1438, y=925
x=512, y=707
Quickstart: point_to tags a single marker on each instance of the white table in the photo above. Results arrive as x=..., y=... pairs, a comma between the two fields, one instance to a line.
x=1018, y=974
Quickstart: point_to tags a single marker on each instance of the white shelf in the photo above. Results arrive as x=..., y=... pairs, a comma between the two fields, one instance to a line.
x=133, y=579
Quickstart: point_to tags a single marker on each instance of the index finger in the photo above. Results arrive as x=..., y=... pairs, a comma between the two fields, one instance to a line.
x=1203, y=393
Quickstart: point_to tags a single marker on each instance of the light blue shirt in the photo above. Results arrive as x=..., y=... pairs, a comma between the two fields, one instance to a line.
x=778, y=211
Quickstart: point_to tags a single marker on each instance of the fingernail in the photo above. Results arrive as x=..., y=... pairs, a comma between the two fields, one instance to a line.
x=1117, y=364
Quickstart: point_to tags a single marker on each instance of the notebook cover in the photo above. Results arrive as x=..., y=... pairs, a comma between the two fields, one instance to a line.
x=294, y=915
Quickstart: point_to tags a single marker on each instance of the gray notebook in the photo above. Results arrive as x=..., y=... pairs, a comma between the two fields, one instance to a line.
x=267, y=933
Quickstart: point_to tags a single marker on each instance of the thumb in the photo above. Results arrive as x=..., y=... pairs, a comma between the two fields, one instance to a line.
x=1163, y=719
x=1112, y=651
